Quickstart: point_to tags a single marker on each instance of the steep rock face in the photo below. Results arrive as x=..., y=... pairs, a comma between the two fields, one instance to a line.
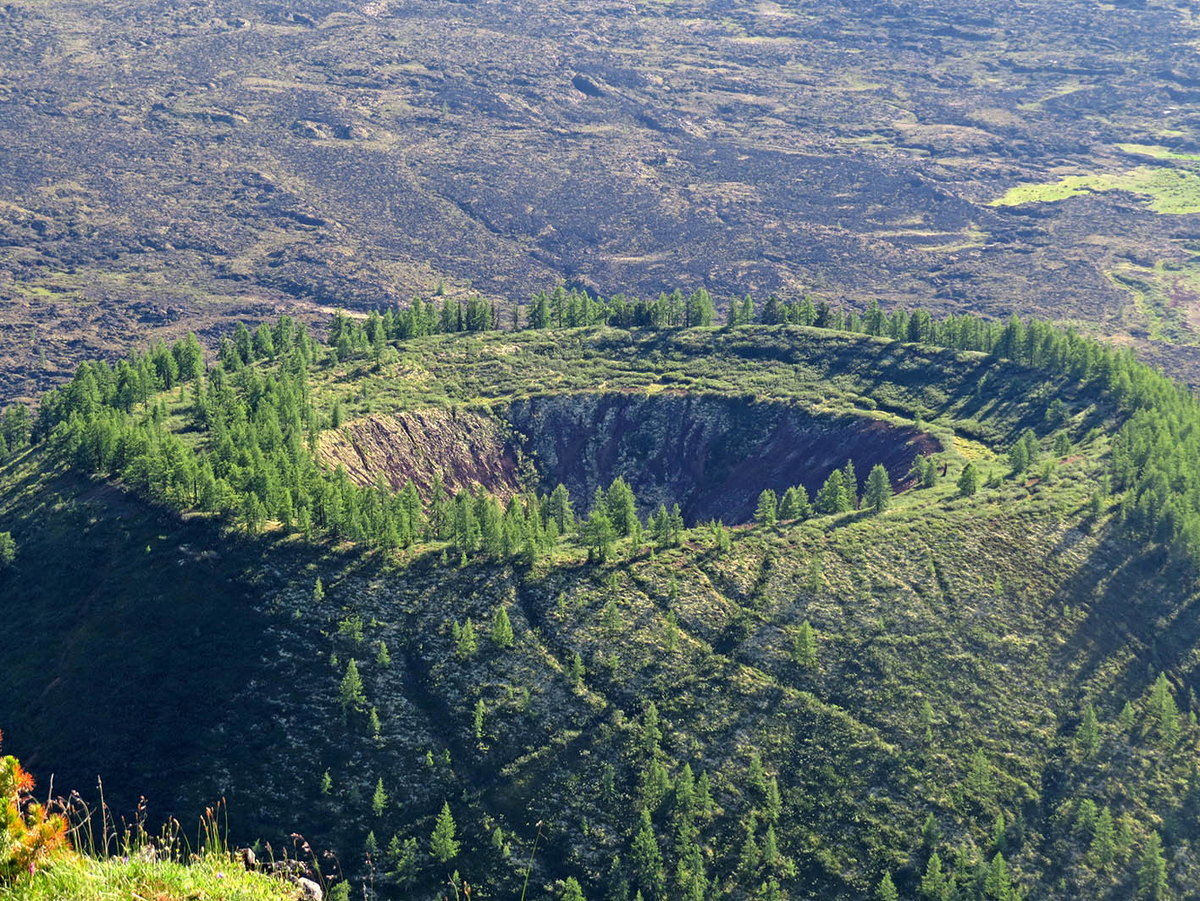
x=464, y=447
x=711, y=454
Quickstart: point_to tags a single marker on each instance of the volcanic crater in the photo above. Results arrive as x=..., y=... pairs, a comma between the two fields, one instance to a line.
x=711, y=454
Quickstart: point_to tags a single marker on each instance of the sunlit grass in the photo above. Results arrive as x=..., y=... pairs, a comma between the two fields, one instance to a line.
x=77, y=877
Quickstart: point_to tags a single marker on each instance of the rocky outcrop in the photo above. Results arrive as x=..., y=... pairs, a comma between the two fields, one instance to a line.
x=711, y=454
x=463, y=447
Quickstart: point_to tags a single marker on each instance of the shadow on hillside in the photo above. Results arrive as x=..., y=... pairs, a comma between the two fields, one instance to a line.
x=1144, y=599
x=138, y=629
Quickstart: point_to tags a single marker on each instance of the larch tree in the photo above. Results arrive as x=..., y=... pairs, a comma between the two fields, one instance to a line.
x=442, y=844
x=767, y=510
x=879, y=489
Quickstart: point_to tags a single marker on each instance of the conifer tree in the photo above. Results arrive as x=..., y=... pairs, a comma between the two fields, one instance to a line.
x=402, y=861
x=610, y=616
x=774, y=802
x=704, y=799
x=647, y=860
x=1103, y=849
x=480, y=711
x=850, y=483
x=467, y=643
x=998, y=884
x=572, y=891
x=351, y=692
x=804, y=647
x=1152, y=872
x=379, y=800
x=766, y=512
x=832, y=498
x=502, y=630
x=651, y=734
x=1087, y=738
x=598, y=535
x=968, y=481
x=931, y=835
x=934, y=884
x=560, y=509
x=1018, y=458
x=795, y=504
x=1164, y=712
x=1033, y=449
x=770, y=848
x=621, y=508
x=442, y=844
x=879, y=489
x=887, y=889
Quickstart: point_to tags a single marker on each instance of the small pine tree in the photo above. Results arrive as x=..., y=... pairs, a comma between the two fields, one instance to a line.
x=1018, y=458
x=351, y=692
x=572, y=891
x=402, y=860
x=467, y=643
x=1164, y=713
x=375, y=725
x=887, y=889
x=442, y=844
x=774, y=805
x=318, y=592
x=502, y=630
x=879, y=489
x=804, y=647
x=968, y=481
x=480, y=711
x=931, y=835
x=1087, y=738
x=935, y=886
x=1103, y=850
x=795, y=504
x=850, y=482
x=379, y=800
x=610, y=616
x=647, y=860
x=383, y=658
x=326, y=783
x=767, y=511
x=1152, y=872
x=770, y=848
x=833, y=497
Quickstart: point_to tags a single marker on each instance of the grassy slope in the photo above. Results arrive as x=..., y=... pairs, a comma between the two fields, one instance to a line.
x=964, y=603
x=81, y=878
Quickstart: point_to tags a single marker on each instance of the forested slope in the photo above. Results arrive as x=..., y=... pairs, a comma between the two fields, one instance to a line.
x=954, y=689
